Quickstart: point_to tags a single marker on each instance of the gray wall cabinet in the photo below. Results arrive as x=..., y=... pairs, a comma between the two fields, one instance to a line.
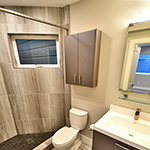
x=103, y=142
x=82, y=52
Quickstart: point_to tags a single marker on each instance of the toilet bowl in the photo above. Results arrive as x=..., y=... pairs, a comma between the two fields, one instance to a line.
x=64, y=138
x=68, y=138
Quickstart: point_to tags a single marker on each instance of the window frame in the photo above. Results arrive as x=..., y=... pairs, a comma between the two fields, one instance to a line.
x=15, y=53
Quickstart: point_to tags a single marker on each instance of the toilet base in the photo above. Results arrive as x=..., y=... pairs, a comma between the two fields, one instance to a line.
x=75, y=145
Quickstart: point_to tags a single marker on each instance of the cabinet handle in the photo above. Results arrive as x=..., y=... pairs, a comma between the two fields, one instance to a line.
x=121, y=146
x=80, y=79
x=75, y=78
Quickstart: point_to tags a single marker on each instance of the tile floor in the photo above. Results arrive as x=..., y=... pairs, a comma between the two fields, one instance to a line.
x=25, y=141
x=31, y=141
x=85, y=147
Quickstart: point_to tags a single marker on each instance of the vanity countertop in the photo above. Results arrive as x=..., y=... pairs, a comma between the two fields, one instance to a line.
x=119, y=124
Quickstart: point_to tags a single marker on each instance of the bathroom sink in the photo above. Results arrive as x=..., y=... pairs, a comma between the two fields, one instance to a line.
x=128, y=126
x=119, y=123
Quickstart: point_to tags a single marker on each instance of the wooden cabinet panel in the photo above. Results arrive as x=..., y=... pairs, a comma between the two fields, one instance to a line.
x=95, y=149
x=103, y=142
x=86, y=57
x=82, y=58
x=71, y=62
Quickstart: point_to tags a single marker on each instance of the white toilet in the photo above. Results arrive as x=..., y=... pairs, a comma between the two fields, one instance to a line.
x=67, y=138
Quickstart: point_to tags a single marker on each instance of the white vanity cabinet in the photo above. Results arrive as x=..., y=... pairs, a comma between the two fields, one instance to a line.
x=104, y=142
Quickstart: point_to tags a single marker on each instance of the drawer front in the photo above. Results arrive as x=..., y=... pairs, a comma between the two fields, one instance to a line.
x=103, y=142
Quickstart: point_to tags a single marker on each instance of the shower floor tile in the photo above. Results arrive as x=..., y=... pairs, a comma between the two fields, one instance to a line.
x=25, y=141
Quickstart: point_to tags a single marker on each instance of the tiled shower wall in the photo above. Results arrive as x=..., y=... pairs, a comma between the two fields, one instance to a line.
x=39, y=98
x=7, y=126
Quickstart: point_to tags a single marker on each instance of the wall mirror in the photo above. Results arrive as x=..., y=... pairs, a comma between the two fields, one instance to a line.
x=136, y=68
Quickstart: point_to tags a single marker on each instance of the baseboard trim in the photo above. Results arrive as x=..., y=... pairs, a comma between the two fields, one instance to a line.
x=86, y=142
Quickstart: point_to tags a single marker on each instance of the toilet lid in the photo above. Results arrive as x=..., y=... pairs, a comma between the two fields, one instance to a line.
x=64, y=136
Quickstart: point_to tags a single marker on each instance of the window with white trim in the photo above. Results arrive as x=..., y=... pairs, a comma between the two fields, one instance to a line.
x=32, y=51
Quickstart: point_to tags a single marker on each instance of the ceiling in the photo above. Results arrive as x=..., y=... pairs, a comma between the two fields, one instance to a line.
x=50, y=3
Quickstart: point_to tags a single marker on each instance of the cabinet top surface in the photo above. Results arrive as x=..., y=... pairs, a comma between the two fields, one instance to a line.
x=94, y=30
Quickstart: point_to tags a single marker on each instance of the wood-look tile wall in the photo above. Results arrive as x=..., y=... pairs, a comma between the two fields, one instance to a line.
x=39, y=98
x=7, y=126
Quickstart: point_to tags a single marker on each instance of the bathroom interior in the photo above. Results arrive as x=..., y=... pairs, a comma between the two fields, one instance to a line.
x=38, y=100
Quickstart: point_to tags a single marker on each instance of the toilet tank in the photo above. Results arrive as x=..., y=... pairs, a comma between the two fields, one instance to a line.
x=78, y=118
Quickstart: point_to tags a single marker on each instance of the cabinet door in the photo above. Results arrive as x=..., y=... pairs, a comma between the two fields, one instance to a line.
x=103, y=142
x=71, y=58
x=86, y=57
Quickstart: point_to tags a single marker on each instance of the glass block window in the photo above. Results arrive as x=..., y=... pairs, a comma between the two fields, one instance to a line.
x=35, y=51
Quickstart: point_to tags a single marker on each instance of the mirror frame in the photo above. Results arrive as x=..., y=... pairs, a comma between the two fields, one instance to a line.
x=137, y=34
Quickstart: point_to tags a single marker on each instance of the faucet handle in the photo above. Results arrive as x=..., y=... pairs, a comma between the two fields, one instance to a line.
x=138, y=110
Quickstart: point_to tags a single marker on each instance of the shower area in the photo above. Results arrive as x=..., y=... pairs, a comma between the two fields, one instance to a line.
x=33, y=102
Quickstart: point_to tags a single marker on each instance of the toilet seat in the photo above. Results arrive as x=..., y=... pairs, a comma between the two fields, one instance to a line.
x=64, y=137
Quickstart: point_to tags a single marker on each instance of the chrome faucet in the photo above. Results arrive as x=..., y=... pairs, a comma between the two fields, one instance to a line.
x=137, y=114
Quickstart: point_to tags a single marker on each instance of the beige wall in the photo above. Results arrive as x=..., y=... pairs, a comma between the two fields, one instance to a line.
x=112, y=18
x=7, y=126
x=39, y=98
